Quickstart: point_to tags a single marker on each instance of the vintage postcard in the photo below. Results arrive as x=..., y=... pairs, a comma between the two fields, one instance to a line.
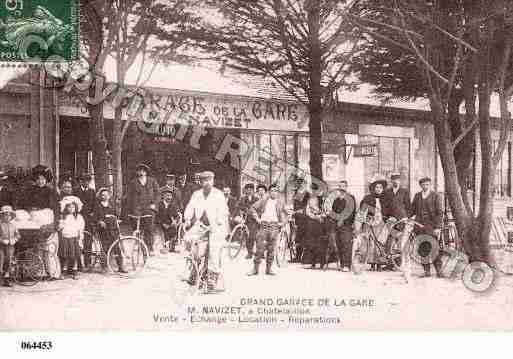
x=273, y=165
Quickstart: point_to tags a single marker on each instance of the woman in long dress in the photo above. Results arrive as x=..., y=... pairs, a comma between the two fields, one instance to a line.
x=41, y=202
x=371, y=208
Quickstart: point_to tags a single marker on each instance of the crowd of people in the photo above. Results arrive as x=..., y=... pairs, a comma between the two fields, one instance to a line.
x=324, y=222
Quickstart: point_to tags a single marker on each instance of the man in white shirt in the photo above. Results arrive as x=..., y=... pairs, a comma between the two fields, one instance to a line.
x=269, y=212
x=208, y=206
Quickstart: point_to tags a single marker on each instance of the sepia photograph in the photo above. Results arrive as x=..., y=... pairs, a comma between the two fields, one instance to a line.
x=270, y=165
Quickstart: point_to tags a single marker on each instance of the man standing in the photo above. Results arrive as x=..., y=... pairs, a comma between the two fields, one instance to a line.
x=248, y=199
x=396, y=203
x=208, y=206
x=143, y=196
x=428, y=211
x=269, y=213
x=301, y=198
x=396, y=199
x=167, y=217
x=341, y=209
x=261, y=191
x=88, y=198
x=170, y=185
x=231, y=201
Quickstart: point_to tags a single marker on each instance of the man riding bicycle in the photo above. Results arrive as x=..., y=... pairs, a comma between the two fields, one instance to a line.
x=208, y=208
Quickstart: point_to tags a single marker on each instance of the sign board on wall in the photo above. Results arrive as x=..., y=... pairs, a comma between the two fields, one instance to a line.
x=331, y=167
x=211, y=111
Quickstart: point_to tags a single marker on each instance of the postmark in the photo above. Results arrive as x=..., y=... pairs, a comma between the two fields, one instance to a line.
x=35, y=31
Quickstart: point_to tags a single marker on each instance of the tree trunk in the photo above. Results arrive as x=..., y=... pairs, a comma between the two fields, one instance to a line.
x=487, y=177
x=117, y=149
x=315, y=95
x=99, y=145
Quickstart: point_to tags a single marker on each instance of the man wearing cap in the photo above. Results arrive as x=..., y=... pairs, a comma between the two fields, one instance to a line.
x=167, y=217
x=269, y=213
x=428, y=210
x=170, y=185
x=247, y=200
x=6, y=196
x=208, y=207
x=143, y=196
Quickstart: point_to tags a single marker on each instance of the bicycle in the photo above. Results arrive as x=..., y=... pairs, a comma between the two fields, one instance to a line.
x=237, y=238
x=196, y=272
x=129, y=249
x=27, y=268
x=398, y=256
x=286, y=244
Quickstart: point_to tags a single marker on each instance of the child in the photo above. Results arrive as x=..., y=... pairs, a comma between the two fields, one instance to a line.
x=167, y=216
x=8, y=237
x=104, y=217
x=72, y=227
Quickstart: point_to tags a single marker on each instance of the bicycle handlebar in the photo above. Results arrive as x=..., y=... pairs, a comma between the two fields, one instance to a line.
x=408, y=220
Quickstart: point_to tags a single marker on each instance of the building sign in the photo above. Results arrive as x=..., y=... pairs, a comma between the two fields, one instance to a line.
x=367, y=150
x=209, y=111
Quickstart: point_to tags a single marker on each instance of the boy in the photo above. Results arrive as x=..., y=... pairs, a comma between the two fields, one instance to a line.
x=167, y=217
x=9, y=235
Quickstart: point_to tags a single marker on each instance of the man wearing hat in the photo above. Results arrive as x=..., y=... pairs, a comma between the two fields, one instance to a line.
x=143, y=197
x=167, y=217
x=6, y=196
x=396, y=203
x=208, y=207
x=428, y=210
x=170, y=185
x=247, y=200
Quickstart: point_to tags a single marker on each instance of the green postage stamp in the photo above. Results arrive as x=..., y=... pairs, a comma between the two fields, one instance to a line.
x=39, y=30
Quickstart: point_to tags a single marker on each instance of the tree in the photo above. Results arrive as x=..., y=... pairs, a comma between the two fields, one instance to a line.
x=303, y=45
x=122, y=30
x=453, y=53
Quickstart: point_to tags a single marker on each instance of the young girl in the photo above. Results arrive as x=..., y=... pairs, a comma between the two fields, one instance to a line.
x=104, y=217
x=72, y=227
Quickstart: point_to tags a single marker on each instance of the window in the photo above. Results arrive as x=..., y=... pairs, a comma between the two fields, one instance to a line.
x=502, y=184
x=393, y=156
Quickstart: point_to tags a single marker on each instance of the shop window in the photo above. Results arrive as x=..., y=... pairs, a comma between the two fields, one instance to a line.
x=502, y=184
x=393, y=155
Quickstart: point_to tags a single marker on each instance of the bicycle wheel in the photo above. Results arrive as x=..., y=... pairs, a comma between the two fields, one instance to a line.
x=281, y=249
x=30, y=268
x=237, y=240
x=127, y=253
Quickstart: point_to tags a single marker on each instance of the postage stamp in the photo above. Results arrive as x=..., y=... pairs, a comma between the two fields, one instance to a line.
x=39, y=30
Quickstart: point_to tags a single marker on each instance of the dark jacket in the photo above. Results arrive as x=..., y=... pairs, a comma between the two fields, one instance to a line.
x=244, y=206
x=397, y=205
x=41, y=198
x=166, y=215
x=88, y=198
x=232, y=206
x=343, y=210
x=140, y=197
x=433, y=214
x=177, y=196
x=301, y=200
x=101, y=213
x=7, y=197
x=258, y=208
x=369, y=202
